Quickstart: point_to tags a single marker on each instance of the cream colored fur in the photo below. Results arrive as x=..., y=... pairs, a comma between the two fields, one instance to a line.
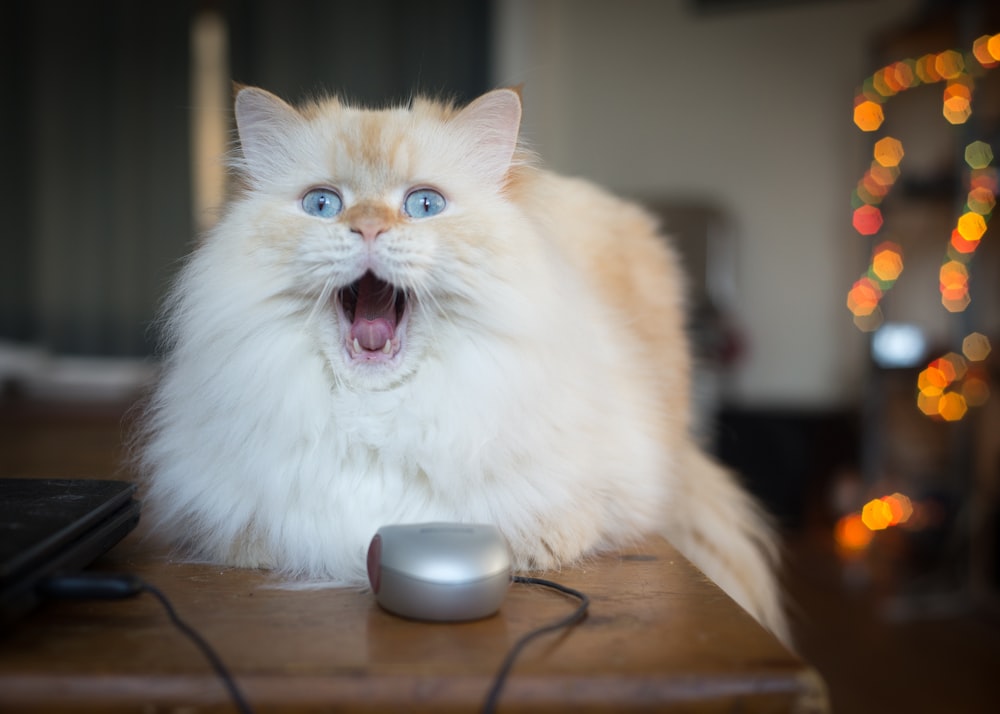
x=539, y=380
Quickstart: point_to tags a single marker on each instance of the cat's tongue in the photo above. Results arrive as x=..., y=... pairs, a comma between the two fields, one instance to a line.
x=375, y=314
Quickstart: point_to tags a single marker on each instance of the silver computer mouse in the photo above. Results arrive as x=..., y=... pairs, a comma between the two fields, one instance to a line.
x=439, y=571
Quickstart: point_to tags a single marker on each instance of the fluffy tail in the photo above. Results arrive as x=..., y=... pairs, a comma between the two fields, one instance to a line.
x=721, y=529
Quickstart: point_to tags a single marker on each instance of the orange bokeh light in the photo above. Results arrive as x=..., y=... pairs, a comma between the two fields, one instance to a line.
x=981, y=51
x=961, y=245
x=957, y=109
x=993, y=46
x=868, y=115
x=887, y=261
x=952, y=406
x=926, y=69
x=888, y=151
x=851, y=533
x=863, y=297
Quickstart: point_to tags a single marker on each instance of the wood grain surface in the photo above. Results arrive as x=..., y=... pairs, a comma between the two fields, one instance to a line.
x=659, y=637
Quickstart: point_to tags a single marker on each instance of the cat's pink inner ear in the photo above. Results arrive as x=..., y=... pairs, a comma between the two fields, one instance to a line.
x=264, y=123
x=492, y=122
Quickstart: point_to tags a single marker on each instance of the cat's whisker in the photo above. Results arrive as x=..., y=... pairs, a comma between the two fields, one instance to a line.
x=321, y=301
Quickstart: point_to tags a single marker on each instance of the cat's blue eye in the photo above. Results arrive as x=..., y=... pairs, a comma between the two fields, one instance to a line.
x=322, y=202
x=423, y=203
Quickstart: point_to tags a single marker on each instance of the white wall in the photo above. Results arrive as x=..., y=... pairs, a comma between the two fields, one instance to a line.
x=751, y=109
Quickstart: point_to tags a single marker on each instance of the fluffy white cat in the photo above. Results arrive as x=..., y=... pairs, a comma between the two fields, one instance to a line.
x=400, y=318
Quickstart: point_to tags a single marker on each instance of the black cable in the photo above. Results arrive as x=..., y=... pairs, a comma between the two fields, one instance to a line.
x=116, y=586
x=493, y=697
x=206, y=649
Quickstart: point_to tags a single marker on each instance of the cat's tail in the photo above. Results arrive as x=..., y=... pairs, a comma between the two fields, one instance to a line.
x=720, y=528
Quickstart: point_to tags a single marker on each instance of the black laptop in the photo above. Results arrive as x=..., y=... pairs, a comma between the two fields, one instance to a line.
x=56, y=526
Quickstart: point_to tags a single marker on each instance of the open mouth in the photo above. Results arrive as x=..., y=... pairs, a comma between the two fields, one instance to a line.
x=375, y=313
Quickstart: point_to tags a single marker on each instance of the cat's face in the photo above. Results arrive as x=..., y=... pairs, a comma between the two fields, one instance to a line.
x=380, y=223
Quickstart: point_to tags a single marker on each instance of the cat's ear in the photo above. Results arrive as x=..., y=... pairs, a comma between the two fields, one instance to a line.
x=265, y=124
x=492, y=123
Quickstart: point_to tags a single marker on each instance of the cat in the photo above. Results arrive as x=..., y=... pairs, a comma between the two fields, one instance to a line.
x=401, y=317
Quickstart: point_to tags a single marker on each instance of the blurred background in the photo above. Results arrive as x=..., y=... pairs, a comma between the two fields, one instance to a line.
x=826, y=167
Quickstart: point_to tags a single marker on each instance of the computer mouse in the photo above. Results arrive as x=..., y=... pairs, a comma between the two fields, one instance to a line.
x=444, y=572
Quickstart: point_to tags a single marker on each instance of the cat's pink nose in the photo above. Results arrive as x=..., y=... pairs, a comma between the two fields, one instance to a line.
x=370, y=227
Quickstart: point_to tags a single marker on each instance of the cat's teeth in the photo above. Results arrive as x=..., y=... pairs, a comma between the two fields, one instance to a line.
x=357, y=346
x=388, y=347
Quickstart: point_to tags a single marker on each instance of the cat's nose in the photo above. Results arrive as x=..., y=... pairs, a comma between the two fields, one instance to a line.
x=370, y=227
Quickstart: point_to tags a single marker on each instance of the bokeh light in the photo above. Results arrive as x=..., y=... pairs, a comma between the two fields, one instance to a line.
x=976, y=389
x=868, y=115
x=867, y=220
x=851, y=533
x=976, y=347
x=981, y=200
x=971, y=226
x=876, y=514
x=949, y=64
x=888, y=151
x=887, y=262
x=952, y=406
x=948, y=386
x=978, y=155
x=954, y=278
x=863, y=297
x=900, y=506
x=981, y=51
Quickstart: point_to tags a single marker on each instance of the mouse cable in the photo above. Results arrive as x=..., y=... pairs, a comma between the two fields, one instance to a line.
x=493, y=697
x=118, y=586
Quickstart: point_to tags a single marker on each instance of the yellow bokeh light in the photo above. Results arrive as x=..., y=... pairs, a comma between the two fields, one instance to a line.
x=868, y=115
x=887, y=261
x=971, y=226
x=851, y=533
x=949, y=64
x=978, y=154
x=876, y=515
x=952, y=406
x=976, y=347
x=888, y=151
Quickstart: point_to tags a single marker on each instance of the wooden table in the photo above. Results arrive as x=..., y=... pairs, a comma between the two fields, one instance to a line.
x=659, y=637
